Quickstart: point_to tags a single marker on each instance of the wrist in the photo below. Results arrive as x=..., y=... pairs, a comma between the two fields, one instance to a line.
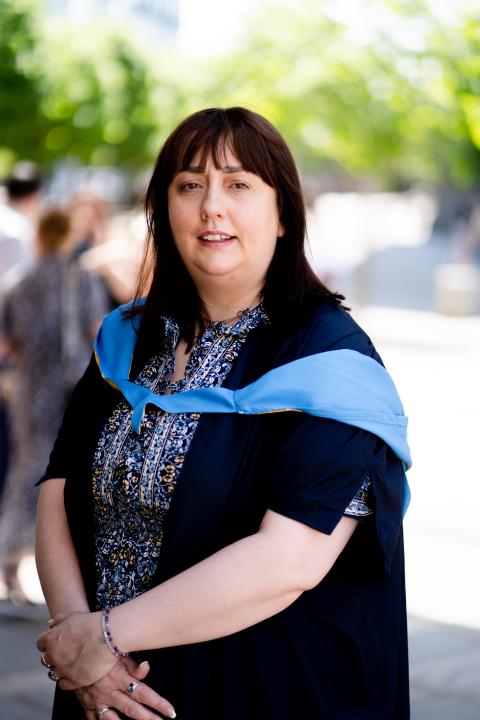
x=69, y=609
x=108, y=637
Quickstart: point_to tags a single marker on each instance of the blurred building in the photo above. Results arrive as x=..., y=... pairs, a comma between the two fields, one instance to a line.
x=160, y=18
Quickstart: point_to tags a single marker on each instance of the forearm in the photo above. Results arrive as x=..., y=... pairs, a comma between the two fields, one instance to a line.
x=237, y=587
x=57, y=562
x=219, y=596
x=241, y=585
x=232, y=589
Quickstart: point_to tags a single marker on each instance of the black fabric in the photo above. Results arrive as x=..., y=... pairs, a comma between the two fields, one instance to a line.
x=340, y=651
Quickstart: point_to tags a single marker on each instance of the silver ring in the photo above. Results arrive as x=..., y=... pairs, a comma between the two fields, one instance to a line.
x=100, y=712
x=44, y=663
x=53, y=675
x=131, y=687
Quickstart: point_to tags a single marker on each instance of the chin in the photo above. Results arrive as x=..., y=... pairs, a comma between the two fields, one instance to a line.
x=218, y=269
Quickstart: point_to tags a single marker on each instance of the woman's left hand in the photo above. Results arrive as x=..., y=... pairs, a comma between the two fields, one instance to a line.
x=122, y=690
x=75, y=647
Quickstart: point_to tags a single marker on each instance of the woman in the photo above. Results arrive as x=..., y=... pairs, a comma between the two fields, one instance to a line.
x=253, y=557
x=50, y=319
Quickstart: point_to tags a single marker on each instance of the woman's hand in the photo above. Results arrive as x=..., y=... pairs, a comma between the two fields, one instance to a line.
x=117, y=689
x=115, y=692
x=75, y=647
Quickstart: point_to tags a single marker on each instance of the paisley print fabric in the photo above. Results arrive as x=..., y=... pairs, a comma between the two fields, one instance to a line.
x=360, y=506
x=135, y=475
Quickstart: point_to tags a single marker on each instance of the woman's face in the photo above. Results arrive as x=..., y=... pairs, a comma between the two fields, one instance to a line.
x=225, y=223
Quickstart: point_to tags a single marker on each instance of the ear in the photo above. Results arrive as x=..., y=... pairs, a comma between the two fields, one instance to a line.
x=280, y=230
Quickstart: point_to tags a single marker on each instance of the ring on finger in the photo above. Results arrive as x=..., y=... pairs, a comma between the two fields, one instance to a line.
x=45, y=663
x=99, y=712
x=53, y=675
x=131, y=687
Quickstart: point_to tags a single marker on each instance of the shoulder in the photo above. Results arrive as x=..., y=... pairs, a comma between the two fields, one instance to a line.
x=92, y=393
x=22, y=288
x=328, y=327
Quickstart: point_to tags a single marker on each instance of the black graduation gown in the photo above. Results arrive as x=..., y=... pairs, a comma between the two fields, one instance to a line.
x=340, y=651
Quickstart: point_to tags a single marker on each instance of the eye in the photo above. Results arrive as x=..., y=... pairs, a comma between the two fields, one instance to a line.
x=240, y=186
x=189, y=186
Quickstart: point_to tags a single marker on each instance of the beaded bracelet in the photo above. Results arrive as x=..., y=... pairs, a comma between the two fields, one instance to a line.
x=107, y=635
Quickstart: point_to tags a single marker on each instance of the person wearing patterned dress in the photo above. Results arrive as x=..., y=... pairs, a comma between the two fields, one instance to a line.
x=201, y=552
x=49, y=319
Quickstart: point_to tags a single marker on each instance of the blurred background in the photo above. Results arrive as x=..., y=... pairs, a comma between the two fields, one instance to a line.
x=380, y=103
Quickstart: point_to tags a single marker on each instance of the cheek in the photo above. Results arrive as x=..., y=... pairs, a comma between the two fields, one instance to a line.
x=262, y=252
x=174, y=215
x=270, y=230
x=179, y=223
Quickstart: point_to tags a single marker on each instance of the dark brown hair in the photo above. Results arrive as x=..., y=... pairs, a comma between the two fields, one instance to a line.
x=53, y=229
x=291, y=289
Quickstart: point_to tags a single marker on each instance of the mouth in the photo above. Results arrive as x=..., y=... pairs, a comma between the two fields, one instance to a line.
x=215, y=238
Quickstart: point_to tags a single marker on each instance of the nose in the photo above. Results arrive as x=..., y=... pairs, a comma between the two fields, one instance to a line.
x=212, y=203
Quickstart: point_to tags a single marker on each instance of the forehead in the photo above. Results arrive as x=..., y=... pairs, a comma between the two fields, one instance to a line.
x=235, y=148
x=222, y=157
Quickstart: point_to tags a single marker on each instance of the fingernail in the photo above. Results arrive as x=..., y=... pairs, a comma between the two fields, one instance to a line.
x=144, y=662
x=173, y=714
x=50, y=622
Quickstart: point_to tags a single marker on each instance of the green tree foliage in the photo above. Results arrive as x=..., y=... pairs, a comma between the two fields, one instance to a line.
x=333, y=101
x=457, y=91
x=87, y=93
x=393, y=95
x=98, y=99
x=21, y=125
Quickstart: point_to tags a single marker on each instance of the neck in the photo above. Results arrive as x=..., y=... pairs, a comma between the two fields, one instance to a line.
x=220, y=307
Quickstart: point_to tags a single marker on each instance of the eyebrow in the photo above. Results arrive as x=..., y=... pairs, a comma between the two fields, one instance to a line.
x=229, y=169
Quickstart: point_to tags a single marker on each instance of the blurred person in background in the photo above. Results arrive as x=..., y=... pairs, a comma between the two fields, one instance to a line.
x=17, y=223
x=17, y=235
x=89, y=221
x=254, y=556
x=117, y=260
x=102, y=242
x=49, y=321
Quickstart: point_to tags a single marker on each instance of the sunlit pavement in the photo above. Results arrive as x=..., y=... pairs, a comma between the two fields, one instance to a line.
x=435, y=362
x=25, y=690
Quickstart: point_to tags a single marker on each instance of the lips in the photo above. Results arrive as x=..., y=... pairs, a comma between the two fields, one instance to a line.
x=212, y=236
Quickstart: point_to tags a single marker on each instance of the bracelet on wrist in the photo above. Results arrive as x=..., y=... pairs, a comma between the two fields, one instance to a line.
x=107, y=635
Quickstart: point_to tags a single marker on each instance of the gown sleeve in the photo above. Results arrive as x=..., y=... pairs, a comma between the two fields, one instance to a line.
x=317, y=466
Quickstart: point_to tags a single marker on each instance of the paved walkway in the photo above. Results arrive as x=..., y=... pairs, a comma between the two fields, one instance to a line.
x=444, y=671
x=25, y=690
x=435, y=361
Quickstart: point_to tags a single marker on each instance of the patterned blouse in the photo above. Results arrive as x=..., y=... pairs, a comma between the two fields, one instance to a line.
x=135, y=475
